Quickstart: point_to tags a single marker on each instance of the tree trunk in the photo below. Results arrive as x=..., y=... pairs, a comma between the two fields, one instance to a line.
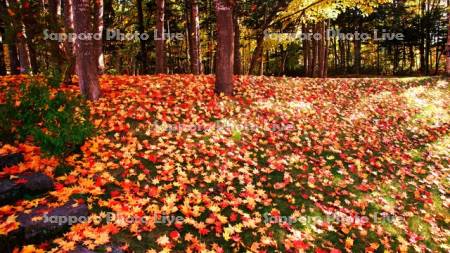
x=357, y=45
x=237, y=44
x=142, y=43
x=305, y=51
x=448, y=39
x=24, y=54
x=2, y=57
x=53, y=24
x=325, y=54
x=411, y=58
x=427, y=53
x=320, y=52
x=315, y=49
x=85, y=51
x=13, y=58
x=30, y=28
x=68, y=45
x=225, y=47
x=194, y=37
x=257, y=55
x=98, y=43
x=160, y=40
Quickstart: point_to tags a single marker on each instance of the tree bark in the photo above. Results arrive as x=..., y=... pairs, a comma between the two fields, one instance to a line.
x=98, y=43
x=237, y=44
x=357, y=45
x=306, y=58
x=257, y=56
x=13, y=57
x=2, y=58
x=194, y=37
x=85, y=51
x=225, y=47
x=24, y=54
x=160, y=40
x=53, y=24
x=315, y=56
x=448, y=39
x=68, y=45
x=142, y=43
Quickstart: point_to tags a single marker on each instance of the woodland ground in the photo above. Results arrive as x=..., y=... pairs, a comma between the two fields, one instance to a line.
x=232, y=168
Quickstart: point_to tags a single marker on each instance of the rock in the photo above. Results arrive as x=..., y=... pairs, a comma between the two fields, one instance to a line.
x=10, y=160
x=43, y=223
x=27, y=183
x=81, y=249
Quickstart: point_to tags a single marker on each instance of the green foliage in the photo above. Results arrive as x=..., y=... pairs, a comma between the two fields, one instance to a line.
x=7, y=112
x=54, y=77
x=58, y=123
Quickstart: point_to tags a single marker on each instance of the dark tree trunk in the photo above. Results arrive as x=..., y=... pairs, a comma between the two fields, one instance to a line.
x=53, y=24
x=225, y=47
x=427, y=54
x=194, y=37
x=237, y=44
x=98, y=28
x=448, y=39
x=30, y=25
x=160, y=40
x=411, y=58
x=315, y=57
x=320, y=52
x=305, y=51
x=142, y=43
x=257, y=56
x=24, y=54
x=13, y=58
x=2, y=58
x=343, y=60
x=357, y=64
x=85, y=51
x=69, y=70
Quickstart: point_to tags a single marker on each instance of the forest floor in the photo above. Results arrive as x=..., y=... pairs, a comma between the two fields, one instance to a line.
x=286, y=165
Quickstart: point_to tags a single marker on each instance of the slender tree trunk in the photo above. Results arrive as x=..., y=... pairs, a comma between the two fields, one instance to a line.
x=343, y=60
x=357, y=45
x=448, y=39
x=68, y=45
x=305, y=51
x=237, y=44
x=225, y=47
x=438, y=59
x=53, y=24
x=194, y=37
x=24, y=54
x=160, y=40
x=13, y=57
x=30, y=22
x=427, y=53
x=142, y=43
x=315, y=57
x=320, y=52
x=98, y=43
x=85, y=50
x=325, y=60
x=257, y=55
x=411, y=58
x=2, y=59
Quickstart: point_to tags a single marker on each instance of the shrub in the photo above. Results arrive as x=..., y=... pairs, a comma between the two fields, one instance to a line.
x=59, y=123
x=54, y=77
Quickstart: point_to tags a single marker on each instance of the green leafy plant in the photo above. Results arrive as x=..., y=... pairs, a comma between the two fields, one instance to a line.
x=54, y=77
x=59, y=123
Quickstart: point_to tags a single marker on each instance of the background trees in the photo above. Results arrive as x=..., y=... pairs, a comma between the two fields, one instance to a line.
x=423, y=51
